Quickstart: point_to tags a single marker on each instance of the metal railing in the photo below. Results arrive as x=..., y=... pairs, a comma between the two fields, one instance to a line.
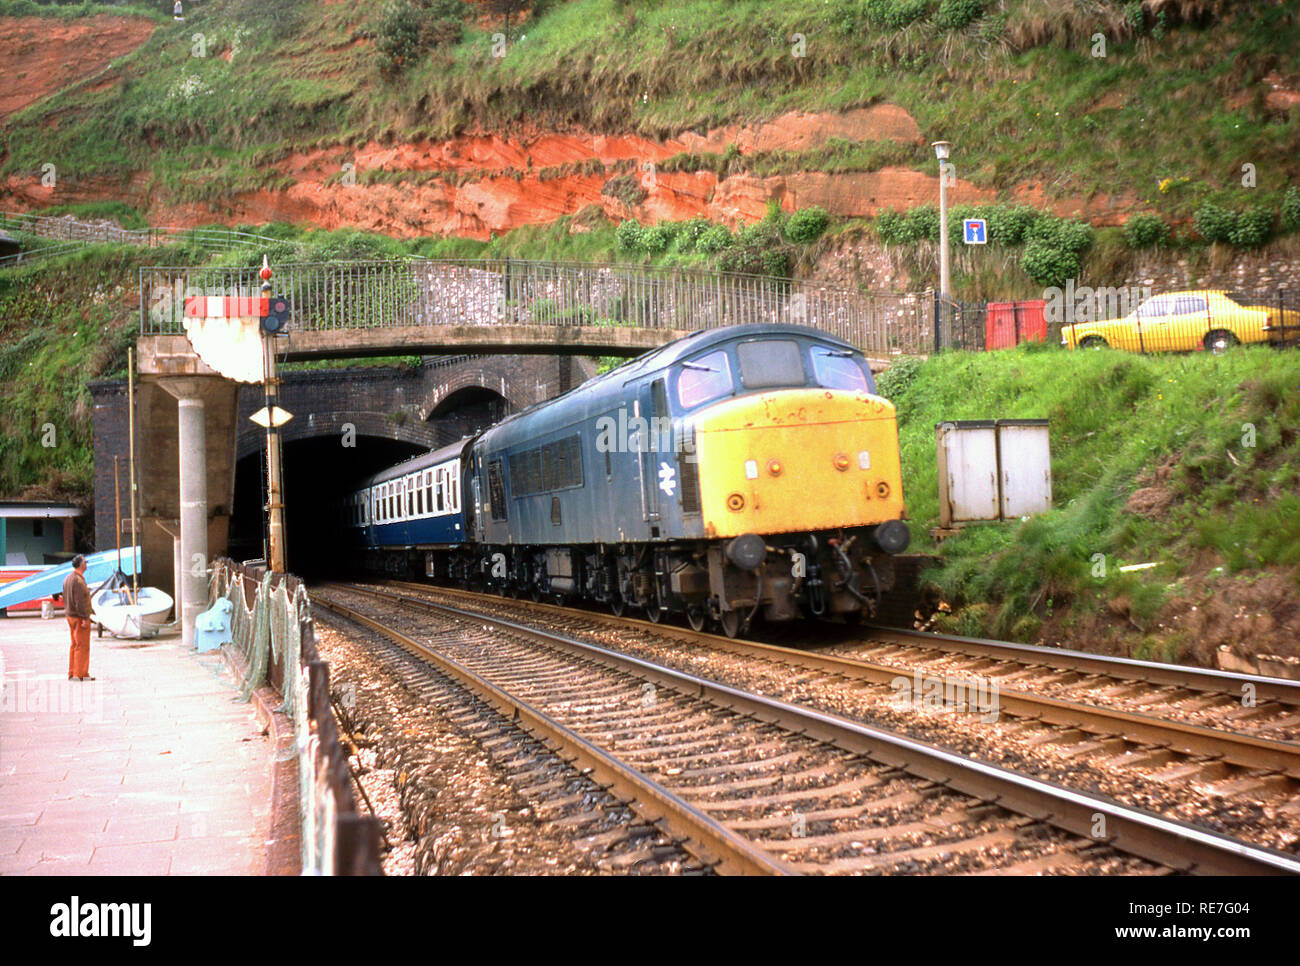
x=72, y=232
x=484, y=292
x=272, y=627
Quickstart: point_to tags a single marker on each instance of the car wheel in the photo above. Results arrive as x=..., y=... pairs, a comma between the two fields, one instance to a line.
x=1220, y=340
x=1092, y=342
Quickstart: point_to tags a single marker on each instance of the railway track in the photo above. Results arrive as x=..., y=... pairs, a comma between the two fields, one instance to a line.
x=755, y=784
x=1240, y=782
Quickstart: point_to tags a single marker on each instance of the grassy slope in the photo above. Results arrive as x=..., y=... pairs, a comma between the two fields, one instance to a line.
x=1173, y=428
x=1016, y=91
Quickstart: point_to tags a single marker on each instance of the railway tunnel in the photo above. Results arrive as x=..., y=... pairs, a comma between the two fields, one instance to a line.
x=348, y=423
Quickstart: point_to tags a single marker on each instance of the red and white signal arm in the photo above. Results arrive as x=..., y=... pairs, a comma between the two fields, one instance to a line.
x=226, y=333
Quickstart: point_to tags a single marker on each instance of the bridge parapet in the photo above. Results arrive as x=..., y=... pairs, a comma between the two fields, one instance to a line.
x=429, y=306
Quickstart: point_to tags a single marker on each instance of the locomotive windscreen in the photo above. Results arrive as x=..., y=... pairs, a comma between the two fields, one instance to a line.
x=770, y=363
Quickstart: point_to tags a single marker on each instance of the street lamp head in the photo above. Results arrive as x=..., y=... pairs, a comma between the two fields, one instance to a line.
x=941, y=149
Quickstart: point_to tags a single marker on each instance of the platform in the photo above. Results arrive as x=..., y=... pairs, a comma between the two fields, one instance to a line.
x=154, y=768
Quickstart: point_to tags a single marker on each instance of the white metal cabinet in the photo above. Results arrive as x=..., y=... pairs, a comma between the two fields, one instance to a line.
x=968, y=477
x=993, y=469
x=1025, y=459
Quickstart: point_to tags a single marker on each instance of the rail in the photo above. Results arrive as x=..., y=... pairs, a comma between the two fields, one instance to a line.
x=273, y=629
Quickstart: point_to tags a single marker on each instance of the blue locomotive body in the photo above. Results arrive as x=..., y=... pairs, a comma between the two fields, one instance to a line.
x=734, y=469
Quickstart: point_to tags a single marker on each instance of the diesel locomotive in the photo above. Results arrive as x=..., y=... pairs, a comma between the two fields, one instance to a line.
x=734, y=472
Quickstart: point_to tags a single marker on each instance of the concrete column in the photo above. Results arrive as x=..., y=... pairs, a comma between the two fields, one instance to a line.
x=194, y=513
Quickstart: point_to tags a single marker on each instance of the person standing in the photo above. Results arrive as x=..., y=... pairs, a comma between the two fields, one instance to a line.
x=76, y=605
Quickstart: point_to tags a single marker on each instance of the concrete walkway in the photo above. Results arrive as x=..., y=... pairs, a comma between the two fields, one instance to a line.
x=151, y=769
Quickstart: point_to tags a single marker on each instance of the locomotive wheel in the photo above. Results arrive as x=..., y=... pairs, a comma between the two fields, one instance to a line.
x=655, y=614
x=617, y=605
x=731, y=621
x=695, y=616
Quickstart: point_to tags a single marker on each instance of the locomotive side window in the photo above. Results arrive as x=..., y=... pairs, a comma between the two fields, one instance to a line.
x=703, y=379
x=838, y=369
x=771, y=362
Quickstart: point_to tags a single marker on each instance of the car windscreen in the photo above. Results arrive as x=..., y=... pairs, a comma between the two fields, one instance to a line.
x=704, y=378
x=839, y=369
x=770, y=362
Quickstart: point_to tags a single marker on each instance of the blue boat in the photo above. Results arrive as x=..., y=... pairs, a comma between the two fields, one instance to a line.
x=99, y=567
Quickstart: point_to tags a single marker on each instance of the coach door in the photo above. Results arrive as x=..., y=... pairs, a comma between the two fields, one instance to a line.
x=652, y=406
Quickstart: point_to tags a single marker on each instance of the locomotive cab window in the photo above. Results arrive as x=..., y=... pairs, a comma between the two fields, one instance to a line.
x=769, y=363
x=839, y=369
x=703, y=379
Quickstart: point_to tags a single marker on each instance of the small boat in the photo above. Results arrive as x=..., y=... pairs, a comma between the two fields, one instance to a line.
x=49, y=581
x=115, y=609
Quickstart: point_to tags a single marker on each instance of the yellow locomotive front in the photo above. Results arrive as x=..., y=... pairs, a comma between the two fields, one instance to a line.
x=798, y=460
x=800, y=494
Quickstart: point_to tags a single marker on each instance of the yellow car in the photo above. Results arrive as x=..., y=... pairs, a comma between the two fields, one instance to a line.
x=1185, y=322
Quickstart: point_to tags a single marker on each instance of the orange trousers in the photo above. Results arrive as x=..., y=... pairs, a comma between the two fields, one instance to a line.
x=79, y=652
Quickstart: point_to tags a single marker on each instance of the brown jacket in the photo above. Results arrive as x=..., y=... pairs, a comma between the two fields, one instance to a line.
x=76, y=596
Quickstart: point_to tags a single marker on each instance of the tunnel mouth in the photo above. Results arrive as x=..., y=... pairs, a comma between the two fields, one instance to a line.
x=318, y=472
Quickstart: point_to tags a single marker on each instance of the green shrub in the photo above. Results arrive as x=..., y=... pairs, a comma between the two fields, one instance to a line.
x=807, y=225
x=1049, y=264
x=631, y=236
x=1215, y=223
x=1146, y=231
x=890, y=227
x=1009, y=225
x=1063, y=233
x=690, y=234
x=714, y=239
x=656, y=240
x=1290, y=218
x=408, y=28
x=955, y=14
x=1253, y=228
x=896, y=14
x=921, y=223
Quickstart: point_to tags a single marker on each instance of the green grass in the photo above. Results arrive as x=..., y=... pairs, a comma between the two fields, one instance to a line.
x=1017, y=92
x=1115, y=419
x=63, y=321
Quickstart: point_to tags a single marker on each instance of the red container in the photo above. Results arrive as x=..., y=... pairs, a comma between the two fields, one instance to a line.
x=1009, y=323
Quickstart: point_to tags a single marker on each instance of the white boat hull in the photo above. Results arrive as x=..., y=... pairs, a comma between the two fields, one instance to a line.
x=144, y=618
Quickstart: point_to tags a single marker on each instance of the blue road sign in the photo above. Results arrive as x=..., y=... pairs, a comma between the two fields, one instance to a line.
x=975, y=231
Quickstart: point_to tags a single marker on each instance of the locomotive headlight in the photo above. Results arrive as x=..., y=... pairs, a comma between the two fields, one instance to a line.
x=841, y=462
x=774, y=467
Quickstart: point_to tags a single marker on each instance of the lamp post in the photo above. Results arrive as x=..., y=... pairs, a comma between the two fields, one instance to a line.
x=941, y=150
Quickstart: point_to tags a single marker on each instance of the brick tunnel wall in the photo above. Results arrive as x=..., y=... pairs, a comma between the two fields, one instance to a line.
x=393, y=403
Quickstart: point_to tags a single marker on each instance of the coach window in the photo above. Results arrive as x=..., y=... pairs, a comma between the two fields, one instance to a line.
x=428, y=491
x=838, y=369
x=702, y=379
x=440, y=497
x=769, y=363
